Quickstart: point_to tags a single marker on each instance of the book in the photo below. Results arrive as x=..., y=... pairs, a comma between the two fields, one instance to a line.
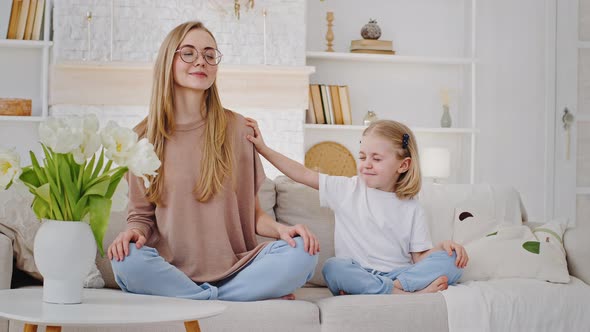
x=345, y=105
x=30, y=20
x=14, y=17
x=371, y=44
x=22, y=19
x=318, y=107
x=5, y=6
x=15, y=107
x=335, y=97
x=330, y=105
x=310, y=114
x=39, y=17
x=373, y=52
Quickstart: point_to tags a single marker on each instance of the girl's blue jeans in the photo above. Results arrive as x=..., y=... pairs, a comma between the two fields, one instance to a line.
x=277, y=270
x=345, y=274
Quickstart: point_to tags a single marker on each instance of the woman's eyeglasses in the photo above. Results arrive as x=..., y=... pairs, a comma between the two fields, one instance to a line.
x=189, y=54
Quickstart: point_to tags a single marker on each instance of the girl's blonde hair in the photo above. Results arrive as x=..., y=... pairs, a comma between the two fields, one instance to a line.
x=409, y=183
x=217, y=160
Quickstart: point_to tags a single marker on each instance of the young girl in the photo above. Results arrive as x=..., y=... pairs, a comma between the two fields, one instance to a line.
x=381, y=236
x=194, y=228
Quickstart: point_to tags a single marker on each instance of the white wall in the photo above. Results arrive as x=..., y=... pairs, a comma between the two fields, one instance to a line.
x=511, y=98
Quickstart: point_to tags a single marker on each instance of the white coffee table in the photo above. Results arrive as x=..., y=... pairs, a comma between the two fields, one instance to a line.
x=102, y=307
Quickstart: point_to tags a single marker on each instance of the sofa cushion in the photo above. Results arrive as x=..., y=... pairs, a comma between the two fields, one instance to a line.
x=516, y=251
x=299, y=204
x=417, y=312
x=440, y=202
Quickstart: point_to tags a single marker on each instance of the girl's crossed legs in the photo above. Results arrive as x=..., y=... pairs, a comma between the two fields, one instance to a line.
x=431, y=274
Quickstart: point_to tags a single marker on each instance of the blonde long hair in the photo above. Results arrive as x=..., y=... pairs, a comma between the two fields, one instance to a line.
x=409, y=183
x=217, y=160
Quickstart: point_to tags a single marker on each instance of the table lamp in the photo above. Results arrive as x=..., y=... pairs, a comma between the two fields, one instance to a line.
x=436, y=163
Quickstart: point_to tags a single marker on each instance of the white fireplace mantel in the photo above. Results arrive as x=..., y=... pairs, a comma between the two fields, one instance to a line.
x=127, y=84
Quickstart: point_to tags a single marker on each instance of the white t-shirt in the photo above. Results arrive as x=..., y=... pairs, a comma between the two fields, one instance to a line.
x=374, y=227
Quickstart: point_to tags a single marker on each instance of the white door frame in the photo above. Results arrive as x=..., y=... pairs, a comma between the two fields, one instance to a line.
x=562, y=92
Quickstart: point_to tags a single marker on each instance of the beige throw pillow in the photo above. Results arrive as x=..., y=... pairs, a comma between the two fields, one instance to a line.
x=516, y=251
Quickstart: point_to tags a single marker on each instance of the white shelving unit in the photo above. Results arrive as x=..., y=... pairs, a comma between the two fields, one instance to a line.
x=25, y=71
x=405, y=86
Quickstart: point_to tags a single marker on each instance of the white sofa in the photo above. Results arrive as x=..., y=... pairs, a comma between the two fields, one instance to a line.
x=316, y=310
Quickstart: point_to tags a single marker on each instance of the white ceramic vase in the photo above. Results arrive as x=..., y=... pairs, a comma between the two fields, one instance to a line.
x=64, y=252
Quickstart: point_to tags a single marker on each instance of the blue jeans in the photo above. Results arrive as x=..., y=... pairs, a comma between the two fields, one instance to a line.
x=349, y=276
x=277, y=270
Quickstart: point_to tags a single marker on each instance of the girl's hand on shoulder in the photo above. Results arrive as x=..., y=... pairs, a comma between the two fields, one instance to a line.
x=310, y=242
x=119, y=249
x=256, y=139
x=462, y=257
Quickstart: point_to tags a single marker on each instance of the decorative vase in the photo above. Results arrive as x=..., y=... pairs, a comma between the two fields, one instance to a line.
x=64, y=252
x=445, y=120
x=371, y=30
x=369, y=117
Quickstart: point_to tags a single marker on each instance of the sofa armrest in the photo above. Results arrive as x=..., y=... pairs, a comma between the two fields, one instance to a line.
x=577, y=248
x=5, y=261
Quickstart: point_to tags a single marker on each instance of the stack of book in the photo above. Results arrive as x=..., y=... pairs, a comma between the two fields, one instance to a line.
x=329, y=104
x=372, y=46
x=21, y=19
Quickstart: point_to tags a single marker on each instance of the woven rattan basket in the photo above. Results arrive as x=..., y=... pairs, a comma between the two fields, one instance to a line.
x=330, y=158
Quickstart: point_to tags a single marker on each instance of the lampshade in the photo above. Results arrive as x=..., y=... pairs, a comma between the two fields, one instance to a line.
x=435, y=162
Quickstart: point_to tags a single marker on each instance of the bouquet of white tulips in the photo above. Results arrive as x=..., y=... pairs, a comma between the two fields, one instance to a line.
x=76, y=183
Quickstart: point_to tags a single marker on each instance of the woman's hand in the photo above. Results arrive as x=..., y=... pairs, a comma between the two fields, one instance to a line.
x=120, y=246
x=462, y=257
x=256, y=139
x=310, y=242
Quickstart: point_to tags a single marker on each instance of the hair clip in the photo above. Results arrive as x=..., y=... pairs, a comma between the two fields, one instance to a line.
x=405, y=141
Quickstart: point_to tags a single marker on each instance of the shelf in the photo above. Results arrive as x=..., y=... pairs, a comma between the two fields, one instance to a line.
x=34, y=118
x=424, y=130
x=389, y=58
x=583, y=190
x=13, y=43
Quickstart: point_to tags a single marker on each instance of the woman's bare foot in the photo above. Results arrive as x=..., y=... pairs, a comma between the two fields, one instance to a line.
x=343, y=292
x=439, y=284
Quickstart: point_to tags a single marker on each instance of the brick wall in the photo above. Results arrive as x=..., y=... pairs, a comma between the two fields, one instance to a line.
x=141, y=25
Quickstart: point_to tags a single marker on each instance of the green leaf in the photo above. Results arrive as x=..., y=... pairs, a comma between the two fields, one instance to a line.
x=99, y=188
x=98, y=166
x=71, y=190
x=532, y=246
x=43, y=192
x=88, y=171
x=41, y=208
x=115, y=180
x=81, y=208
x=37, y=168
x=492, y=234
x=100, y=211
x=29, y=176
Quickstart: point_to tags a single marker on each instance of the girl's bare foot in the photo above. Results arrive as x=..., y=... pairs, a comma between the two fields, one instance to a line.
x=343, y=293
x=287, y=297
x=439, y=284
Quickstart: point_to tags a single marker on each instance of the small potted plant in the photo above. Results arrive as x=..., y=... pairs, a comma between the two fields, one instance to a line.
x=73, y=191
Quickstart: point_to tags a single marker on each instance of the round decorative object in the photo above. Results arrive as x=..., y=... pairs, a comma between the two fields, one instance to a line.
x=369, y=118
x=331, y=158
x=64, y=252
x=371, y=30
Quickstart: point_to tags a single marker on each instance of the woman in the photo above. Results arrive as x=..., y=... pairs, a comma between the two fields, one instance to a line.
x=192, y=232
